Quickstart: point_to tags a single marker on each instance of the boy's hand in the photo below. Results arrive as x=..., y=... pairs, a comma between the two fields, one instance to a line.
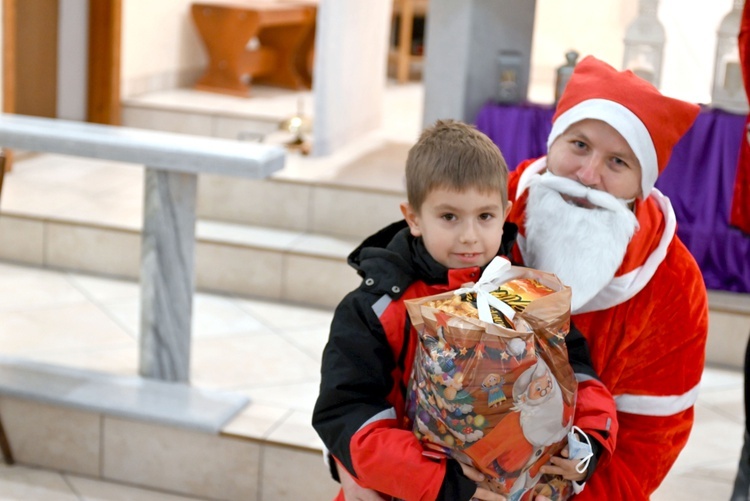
x=564, y=467
x=477, y=476
x=353, y=491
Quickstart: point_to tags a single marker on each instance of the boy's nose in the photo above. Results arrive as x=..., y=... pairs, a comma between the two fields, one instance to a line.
x=469, y=234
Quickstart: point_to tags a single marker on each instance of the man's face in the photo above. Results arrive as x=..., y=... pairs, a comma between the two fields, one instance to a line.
x=596, y=155
x=459, y=228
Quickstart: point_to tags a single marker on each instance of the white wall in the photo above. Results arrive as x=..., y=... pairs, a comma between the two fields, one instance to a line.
x=597, y=27
x=72, y=57
x=351, y=43
x=160, y=47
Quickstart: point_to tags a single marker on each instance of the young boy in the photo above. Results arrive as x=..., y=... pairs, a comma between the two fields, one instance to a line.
x=457, y=204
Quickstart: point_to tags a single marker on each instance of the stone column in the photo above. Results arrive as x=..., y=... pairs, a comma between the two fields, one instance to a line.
x=464, y=40
x=167, y=274
x=349, y=77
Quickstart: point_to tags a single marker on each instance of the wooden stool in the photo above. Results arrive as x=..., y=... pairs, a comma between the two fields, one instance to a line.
x=285, y=33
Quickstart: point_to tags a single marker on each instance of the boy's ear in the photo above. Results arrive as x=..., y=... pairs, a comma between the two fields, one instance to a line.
x=508, y=206
x=412, y=218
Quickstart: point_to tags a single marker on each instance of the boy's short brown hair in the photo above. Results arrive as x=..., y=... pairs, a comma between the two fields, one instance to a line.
x=454, y=155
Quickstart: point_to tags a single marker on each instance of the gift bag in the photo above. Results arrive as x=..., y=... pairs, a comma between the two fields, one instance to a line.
x=491, y=384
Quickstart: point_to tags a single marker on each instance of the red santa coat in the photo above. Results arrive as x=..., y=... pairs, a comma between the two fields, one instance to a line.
x=740, y=213
x=647, y=332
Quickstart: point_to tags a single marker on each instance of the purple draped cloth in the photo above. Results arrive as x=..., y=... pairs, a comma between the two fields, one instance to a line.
x=699, y=180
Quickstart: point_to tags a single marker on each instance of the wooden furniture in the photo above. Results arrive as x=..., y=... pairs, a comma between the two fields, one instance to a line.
x=406, y=11
x=269, y=43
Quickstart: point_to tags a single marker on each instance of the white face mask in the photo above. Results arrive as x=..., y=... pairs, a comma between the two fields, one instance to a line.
x=584, y=247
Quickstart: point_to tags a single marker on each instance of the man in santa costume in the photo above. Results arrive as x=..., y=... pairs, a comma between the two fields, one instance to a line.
x=589, y=213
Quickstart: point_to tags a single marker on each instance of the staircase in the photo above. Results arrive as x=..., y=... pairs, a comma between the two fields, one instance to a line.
x=284, y=238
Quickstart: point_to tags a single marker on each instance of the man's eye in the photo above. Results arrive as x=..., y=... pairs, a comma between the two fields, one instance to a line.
x=619, y=162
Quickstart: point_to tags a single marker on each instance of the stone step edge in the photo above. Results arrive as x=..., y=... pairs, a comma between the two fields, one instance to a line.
x=233, y=234
x=129, y=397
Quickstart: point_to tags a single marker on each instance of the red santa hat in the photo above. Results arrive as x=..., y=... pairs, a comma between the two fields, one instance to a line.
x=650, y=122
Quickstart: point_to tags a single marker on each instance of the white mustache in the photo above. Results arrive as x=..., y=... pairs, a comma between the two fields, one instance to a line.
x=575, y=189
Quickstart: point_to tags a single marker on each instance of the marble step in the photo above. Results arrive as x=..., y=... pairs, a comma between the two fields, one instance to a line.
x=155, y=435
x=313, y=207
x=297, y=266
x=293, y=266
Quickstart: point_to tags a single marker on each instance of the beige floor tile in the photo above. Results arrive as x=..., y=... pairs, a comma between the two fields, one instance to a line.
x=213, y=315
x=294, y=396
x=311, y=339
x=121, y=360
x=256, y=420
x=21, y=483
x=68, y=327
x=252, y=236
x=102, y=289
x=689, y=487
x=36, y=288
x=282, y=316
x=96, y=490
x=252, y=360
x=296, y=429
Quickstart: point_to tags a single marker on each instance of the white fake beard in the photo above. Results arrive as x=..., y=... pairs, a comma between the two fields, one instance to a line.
x=584, y=247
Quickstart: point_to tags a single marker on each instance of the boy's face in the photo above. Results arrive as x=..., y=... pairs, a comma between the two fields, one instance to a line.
x=459, y=228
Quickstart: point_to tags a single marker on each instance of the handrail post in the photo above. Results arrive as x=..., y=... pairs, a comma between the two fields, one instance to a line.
x=167, y=274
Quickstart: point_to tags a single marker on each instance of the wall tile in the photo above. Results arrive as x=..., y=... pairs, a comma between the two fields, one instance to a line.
x=52, y=437
x=290, y=474
x=22, y=240
x=180, y=460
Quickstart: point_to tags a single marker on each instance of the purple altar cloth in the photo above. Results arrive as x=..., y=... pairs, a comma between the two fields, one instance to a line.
x=699, y=180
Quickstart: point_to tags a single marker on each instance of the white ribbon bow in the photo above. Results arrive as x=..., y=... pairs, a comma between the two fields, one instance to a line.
x=496, y=274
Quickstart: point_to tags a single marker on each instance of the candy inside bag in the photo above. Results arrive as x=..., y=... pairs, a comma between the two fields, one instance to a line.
x=516, y=293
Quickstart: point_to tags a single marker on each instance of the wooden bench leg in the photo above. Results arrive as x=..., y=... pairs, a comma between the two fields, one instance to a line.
x=5, y=446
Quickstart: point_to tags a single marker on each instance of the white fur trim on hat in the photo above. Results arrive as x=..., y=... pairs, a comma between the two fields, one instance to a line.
x=623, y=121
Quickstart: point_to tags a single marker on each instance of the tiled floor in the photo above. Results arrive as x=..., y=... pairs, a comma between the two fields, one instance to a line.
x=266, y=350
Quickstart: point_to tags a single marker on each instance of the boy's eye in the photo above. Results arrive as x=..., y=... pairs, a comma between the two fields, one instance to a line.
x=449, y=217
x=486, y=216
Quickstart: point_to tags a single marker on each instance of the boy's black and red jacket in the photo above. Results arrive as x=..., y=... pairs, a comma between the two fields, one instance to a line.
x=368, y=359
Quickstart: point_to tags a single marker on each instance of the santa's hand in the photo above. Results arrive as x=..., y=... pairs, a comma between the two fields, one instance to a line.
x=478, y=476
x=566, y=468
